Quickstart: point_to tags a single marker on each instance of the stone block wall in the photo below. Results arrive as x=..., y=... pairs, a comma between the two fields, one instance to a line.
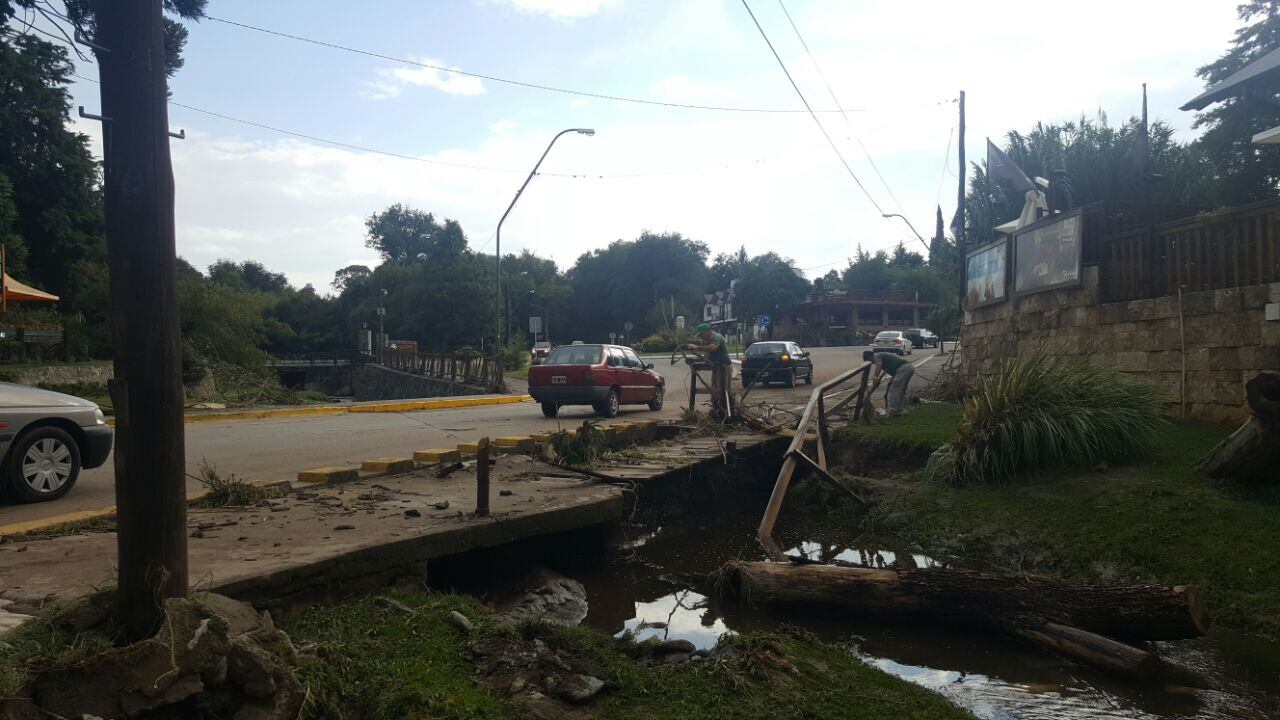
x=374, y=382
x=1228, y=341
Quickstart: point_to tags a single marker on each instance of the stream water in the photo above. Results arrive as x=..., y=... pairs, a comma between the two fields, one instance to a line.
x=648, y=589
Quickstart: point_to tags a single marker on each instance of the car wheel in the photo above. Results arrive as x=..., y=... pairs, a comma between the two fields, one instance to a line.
x=656, y=403
x=791, y=380
x=609, y=408
x=43, y=465
x=549, y=409
x=808, y=379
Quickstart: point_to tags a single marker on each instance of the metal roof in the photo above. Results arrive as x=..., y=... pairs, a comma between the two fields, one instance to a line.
x=1261, y=71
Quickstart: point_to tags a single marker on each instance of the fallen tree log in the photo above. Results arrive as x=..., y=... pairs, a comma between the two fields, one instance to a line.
x=1251, y=453
x=1003, y=601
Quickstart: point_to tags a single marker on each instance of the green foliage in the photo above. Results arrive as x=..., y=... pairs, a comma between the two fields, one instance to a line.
x=769, y=285
x=229, y=491
x=515, y=354
x=40, y=646
x=580, y=448
x=1045, y=411
x=403, y=234
x=665, y=340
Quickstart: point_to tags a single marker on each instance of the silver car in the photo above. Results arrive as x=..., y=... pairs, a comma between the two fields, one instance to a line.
x=45, y=439
x=893, y=341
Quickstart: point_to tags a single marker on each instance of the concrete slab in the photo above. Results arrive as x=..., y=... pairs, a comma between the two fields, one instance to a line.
x=328, y=537
x=388, y=465
x=328, y=475
x=447, y=457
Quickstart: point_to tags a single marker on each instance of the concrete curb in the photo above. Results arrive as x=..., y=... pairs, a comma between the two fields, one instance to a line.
x=314, y=410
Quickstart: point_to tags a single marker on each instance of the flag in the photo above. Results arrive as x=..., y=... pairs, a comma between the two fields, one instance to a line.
x=1000, y=167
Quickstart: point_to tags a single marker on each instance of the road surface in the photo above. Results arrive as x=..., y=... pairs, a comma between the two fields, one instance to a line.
x=277, y=449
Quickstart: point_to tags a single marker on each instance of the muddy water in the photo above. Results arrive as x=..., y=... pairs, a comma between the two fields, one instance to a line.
x=652, y=589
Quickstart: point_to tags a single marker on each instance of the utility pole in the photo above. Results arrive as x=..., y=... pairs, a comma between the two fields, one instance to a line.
x=960, y=209
x=382, y=333
x=138, y=197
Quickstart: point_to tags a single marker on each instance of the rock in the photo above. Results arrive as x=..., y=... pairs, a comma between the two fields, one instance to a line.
x=667, y=647
x=576, y=688
x=412, y=513
x=505, y=493
x=442, y=505
x=10, y=621
x=460, y=621
x=251, y=668
x=344, y=527
x=393, y=606
x=547, y=597
x=86, y=612
x=241, y=617
x=676, y=658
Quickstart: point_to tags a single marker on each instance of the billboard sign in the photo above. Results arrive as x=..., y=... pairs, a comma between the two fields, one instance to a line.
x=986, y=275
x=1048, y=257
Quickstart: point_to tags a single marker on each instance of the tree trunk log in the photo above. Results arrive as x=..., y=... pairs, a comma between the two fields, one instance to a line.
x=1092, y=649
x=1003, y=601
x=1252, y=453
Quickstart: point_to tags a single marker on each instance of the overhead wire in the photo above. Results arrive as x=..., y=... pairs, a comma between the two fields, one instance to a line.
x=942, y=177
x=509, y=81
x=813, y=115
x=836, y=101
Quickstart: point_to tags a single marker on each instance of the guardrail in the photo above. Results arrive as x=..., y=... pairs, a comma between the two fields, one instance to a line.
x=322, y=359
x=467, y=369
x=815, y=413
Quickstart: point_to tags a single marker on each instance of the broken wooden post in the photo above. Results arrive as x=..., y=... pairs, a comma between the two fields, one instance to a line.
x=1251, y=453
x=482, y=477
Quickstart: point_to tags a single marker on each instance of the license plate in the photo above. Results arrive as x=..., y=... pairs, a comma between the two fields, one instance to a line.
x=559, y=379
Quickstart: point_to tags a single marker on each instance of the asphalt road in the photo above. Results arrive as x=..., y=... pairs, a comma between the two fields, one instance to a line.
x=277, y=449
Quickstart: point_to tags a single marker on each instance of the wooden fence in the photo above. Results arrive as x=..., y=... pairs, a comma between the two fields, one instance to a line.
x=1210, y=251
x=467, y=369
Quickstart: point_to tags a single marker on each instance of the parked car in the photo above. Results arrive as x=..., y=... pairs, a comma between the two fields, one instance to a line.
x=46, y=438
x=782, y=361
x=892, y=341
x=540, y=351
x=920, y=337
x=602, y=376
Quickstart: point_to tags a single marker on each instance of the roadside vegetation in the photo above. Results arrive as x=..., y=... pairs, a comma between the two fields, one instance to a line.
x=364, y=661
x=1152, y=520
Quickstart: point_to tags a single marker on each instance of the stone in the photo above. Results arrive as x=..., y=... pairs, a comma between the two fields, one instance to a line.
x=674, y=646
x=86, y=612
x=547, y=597
x=392, y=605
x=10, y=621
x=241, y=617
x=576, y=688
x=252, y=669
x=460, y=621
x=676, y=658
x=412, y=513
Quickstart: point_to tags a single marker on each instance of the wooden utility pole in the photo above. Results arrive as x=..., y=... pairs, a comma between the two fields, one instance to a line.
x=147, y=389
x=960, y=209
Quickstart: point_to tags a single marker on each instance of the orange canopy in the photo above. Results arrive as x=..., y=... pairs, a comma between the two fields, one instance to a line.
x=15, y=291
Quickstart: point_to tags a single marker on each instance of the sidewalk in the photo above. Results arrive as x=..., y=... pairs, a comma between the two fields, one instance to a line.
x=373, y=406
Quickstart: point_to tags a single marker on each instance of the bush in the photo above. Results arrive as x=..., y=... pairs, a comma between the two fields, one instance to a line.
x=1044, y=411
x=665, y=341
x=515, y=354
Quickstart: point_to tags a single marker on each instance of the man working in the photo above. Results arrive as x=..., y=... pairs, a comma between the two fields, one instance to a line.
x=717, y=350
x=898, y=369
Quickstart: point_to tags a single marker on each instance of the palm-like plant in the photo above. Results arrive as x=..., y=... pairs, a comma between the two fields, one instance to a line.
x=1048, y=410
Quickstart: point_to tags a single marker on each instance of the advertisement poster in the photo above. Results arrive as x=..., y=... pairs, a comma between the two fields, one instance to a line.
x=1048, y=257
x=985, y=276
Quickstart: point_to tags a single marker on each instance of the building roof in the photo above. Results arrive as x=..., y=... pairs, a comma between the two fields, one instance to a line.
x=1263, y=71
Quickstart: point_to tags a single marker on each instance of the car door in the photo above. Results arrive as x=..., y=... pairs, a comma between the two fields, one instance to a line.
x=642, y=381
x=619, y=374
x=803, y=361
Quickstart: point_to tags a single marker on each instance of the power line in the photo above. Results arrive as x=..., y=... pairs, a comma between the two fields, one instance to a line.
x=508, y=81
x=835, y=100
x=946, y=165
x=818, y=122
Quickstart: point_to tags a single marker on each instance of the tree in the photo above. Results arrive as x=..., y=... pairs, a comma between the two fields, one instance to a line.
x=15, y=255
x=868, y=271
x=726, y=268
x=247, y=275
x=1246, y=171
x=769, y=285
x=403, y=234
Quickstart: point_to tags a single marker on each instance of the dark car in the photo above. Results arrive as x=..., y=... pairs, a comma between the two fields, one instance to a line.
x=602, y=376
x=781, y=361
x=46, y=438
x=921, y=337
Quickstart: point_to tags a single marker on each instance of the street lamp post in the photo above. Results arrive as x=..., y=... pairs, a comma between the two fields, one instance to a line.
x=498, y=234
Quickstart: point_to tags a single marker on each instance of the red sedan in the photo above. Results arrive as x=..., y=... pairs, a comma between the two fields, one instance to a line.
x=602, y=376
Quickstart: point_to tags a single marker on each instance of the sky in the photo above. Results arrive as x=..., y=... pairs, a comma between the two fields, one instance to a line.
x=764, y=181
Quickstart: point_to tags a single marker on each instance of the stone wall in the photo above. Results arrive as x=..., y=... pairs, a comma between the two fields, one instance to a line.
x=374, y=382
x=1228, y=341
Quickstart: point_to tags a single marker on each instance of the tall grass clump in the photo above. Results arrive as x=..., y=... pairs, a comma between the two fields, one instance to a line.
x=1044, y=411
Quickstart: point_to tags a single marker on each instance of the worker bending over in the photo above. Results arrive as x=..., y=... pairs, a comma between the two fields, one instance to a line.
x=896, y=368
x=717, y=350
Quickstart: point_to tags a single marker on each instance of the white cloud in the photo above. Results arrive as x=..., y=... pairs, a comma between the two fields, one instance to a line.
x=391, y=81
x=502, y=126
x=558, y=9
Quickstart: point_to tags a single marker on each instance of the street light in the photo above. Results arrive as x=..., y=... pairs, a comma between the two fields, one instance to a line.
x=908, y=222
x=498, y=234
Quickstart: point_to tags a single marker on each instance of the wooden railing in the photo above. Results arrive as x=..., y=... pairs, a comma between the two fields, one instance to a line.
x=468, y=369
x=816, y=415
x=862, y=295
x=1232, y=248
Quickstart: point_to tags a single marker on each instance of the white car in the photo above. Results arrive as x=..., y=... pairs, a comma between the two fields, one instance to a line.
x=46, y=438
x=892, y=341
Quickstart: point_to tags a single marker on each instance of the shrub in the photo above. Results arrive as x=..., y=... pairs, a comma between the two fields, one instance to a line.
x=665, y=341
x=1044, y=411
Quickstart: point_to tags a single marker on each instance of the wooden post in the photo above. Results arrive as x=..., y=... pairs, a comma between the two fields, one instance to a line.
x=482, y=477
x=693, y=387
x=823, y=437
x=138, y=196
x=961, y=244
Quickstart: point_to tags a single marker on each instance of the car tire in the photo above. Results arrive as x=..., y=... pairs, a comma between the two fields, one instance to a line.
x=808, y=379
x=791, y=380
x=656, y=403
x=42, y=465
x=609, y=408
x=550, y=409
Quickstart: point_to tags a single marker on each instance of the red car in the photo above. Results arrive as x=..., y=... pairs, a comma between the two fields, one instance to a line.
x=602, y=376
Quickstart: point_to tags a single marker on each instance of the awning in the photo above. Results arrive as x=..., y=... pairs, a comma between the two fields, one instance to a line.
x=1259, y=73
x=15, y=291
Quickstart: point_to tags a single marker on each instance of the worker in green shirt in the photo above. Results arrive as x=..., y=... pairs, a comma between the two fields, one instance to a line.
x=717, y=349
x=896, y=368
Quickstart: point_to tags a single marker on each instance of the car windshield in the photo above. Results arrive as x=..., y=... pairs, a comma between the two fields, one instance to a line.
x=574, y=355
x=766, y=348
x=542, y=345
x=888, y=335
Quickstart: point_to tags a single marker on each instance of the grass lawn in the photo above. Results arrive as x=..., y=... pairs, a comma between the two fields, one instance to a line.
x=1153, y=520
x=383, y=665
